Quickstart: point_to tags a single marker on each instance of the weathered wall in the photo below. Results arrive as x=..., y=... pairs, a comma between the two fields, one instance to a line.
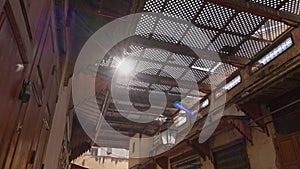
x=108, y=162
x=225, y=138
x=140, y=148
x=262, y=153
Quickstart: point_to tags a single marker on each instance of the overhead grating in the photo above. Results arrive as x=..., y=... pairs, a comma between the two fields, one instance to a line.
x=182, y=9
x=198, y=38
x=145, y=25
x=250, y=48
x=104, y=63
x=154, y=6
x=156, y=54
x=271, y=30
x=244, y=23
x=292, y=6
x=151, y=68
x=116, y=61
x=199, y=75
x=224, y=69
x=133, y=51
x=214, y=80
x=180, y=60
x=137, y=83
x=225, y=43
x=170, y=71
x=160, y=87
x=213, y=29
x=203, y=64
x=169, y=31
x=136, y=88
x=269, y=3
x=214, y=16
x=180, y=90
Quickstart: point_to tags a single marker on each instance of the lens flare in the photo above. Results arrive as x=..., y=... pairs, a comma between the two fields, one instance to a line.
x=178, y=105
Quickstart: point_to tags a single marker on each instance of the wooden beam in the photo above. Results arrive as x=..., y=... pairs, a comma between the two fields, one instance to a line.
x=135, y=130
x=195, y=148
x=183, y=157
x=261, y=10
x=104, y=71
x=187, y=51
x=172, y=82
x=112, y=143
x=163, y=162
x=202, y=88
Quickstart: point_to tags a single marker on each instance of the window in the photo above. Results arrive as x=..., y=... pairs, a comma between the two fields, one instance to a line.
x=285, y=45
x=233, y=83
x=180, y=119
x=205, y=103
x=133, y=147
x=277, y=51
x=109, y=151
x=228, y=86
x=94, y=151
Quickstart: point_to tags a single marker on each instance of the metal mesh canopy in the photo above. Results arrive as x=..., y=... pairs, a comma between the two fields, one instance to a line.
x=227, y=31
x=237, y=36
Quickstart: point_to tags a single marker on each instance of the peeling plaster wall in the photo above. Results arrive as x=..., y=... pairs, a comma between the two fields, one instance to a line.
x=101, y=162
x=141, y=147
x=262, y=153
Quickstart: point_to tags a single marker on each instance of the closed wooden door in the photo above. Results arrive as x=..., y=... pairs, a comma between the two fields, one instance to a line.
x=12, y=75
x=289, y=150
x=24, y=126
